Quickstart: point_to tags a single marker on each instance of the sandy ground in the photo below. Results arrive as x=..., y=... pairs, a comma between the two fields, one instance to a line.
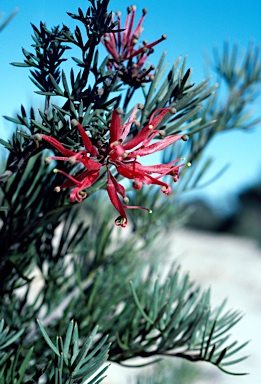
x=232, y=267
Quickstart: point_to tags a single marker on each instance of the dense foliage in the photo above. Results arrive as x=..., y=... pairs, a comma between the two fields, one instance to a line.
x=76, y=290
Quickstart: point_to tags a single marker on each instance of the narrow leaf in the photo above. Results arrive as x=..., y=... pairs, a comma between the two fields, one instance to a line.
x=47, y=339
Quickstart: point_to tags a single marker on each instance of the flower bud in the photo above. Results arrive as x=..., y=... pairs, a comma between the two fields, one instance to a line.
x=114, y=144
x=57, y=189
x=74, y=122
x=172, y=110
x=119, y=111
x=71, y=160
x=37, y=137
x=137, y=184
x=162, y=132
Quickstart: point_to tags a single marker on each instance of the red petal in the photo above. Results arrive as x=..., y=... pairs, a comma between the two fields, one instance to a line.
x=127, y=126
x=86, y=183
x=138, y=139
x=156, y=120
x=140, y=175
x=115, y=127
x=115, y=200
x=119, y=188
x=90, y=164
x=155, y=147
x=146, y=131
x=87, y=141
x=148, y=46
x=56, y=144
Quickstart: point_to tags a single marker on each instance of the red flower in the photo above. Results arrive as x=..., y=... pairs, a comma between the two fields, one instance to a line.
x=121, y=153
x=121, y=46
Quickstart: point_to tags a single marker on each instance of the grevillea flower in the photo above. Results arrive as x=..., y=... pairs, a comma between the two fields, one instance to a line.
x=122, y=153
x=121, y=46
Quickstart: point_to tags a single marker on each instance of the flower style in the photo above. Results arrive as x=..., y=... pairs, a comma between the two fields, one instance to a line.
x=121, y=46
x=122, y=153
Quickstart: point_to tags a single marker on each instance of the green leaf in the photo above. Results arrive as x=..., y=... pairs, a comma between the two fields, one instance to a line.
x=41, y=126
x=16, y=64
x=98, y=379
x=56, y=86
x=83, y=351
x=6, y=144
x=65, y=85
x=68, y=338
x=24, y=365
x=146, y=317
x=16, y=121
x=11, y=339
x=47, y=339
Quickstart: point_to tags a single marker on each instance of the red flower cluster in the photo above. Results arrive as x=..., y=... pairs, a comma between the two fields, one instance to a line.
x=121, y=45
x=122, y=153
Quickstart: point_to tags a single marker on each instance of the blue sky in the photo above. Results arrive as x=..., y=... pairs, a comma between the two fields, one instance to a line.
x=193, y=28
